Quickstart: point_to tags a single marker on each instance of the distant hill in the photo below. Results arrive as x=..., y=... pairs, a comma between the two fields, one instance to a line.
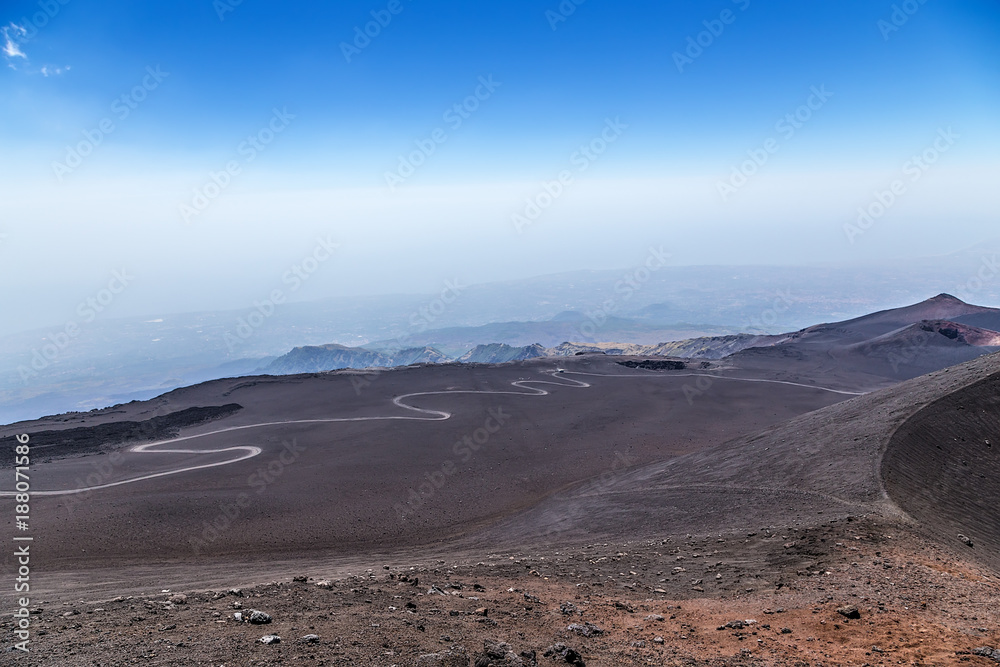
x=899, y=344
x=319, y=358
x=498, y=353
x=566, y=326
x=890, y=344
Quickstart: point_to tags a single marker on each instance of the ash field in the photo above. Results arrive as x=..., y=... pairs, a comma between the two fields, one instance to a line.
x=829, y=498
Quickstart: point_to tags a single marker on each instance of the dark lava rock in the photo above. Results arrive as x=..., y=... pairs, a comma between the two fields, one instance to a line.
x=93, y=439
x=567, y=654
x=500, y=654
x=987, y=652
x=453, y=657
x=585, y=630
x=655, y=365
x=257, y=617
x=849, y=611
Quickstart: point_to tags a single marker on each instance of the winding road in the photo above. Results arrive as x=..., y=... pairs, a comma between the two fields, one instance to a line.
x=423, y=414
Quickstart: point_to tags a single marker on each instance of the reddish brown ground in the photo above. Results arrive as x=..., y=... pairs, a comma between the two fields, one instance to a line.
x=918, y=605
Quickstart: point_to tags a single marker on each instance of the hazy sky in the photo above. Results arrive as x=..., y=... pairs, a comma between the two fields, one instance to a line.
x=204, y=147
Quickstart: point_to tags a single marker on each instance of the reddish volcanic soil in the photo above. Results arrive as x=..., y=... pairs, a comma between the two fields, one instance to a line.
x=674, y=601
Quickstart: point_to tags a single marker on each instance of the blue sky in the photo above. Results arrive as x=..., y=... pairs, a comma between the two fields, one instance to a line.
x=897, y=80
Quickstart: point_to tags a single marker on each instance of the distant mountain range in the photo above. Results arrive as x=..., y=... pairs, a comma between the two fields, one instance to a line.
x=896, y=343
x=113, y=360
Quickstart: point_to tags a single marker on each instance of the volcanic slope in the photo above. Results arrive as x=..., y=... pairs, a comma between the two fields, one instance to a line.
x=338, y=462
x=668, y=563
x=933, y=438
x=887, y=346
x=943, y=468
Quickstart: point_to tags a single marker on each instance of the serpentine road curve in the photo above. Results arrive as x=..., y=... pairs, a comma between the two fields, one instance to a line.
x=423, y=414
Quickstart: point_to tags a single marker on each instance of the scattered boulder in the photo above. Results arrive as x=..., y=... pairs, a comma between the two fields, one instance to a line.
x=849, y=611
x=585, y=629
x=500, y=654
x=567, y=654
x=309, y=639
x=987, y=652
x=453, y=657
x=324, y=584
x=568, y=608
x=300, y=578
x=177, y=598
x=270, y=639
x=257, y=617
x=554, y=650
x=965, y=540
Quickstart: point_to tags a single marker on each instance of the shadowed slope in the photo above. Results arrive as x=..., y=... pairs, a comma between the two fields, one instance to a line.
x=943, y=467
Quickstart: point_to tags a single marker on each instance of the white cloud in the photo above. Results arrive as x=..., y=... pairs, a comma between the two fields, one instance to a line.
x=48, y=70
x=11, y=49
